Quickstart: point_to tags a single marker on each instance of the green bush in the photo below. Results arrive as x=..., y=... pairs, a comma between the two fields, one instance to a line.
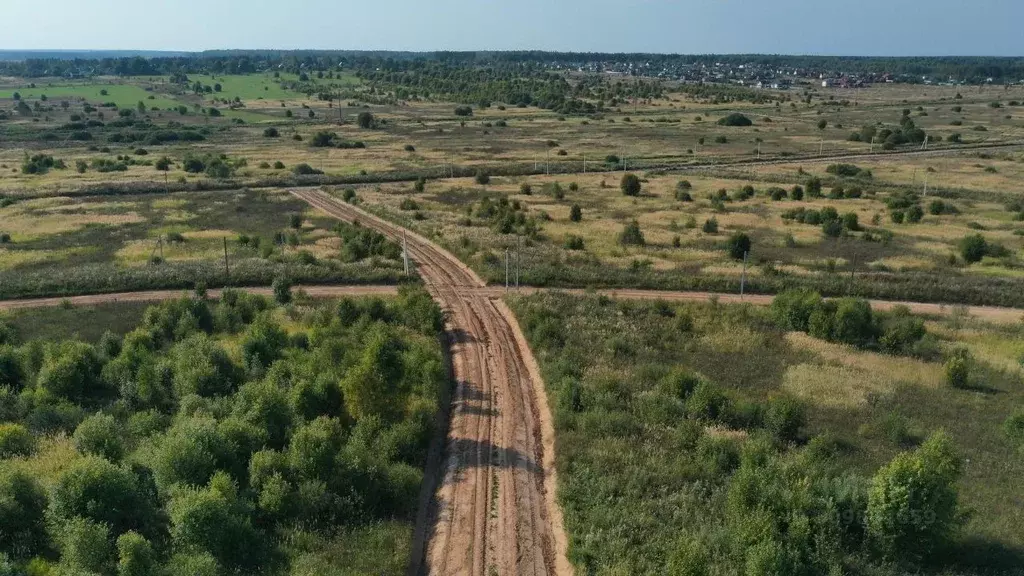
x=22, y=514
x=631, y=235
x=792, y=309
x=735, y=119
x=100, y=435
x=1013, y=427
x=15, y=440
x=913, y=502
x=738, y=246
x=630, y=185
x=958, y=369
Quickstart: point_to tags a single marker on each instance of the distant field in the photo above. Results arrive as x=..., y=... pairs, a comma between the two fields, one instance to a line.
x=679, y=250
x=123, y=94
x=63, y=245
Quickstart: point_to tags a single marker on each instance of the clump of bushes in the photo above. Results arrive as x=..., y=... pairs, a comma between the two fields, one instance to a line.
x=852, y=321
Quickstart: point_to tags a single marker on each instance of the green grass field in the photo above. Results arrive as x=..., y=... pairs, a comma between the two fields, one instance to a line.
x=644, y=474
x=123, y=94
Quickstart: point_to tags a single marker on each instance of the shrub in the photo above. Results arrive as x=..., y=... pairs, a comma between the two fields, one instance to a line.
x=792, y=309
x=136, y=556
x=525, y=189
x=797, y=193
x=710, y=226
x=22, y=514
x=96, y=489
x=15, y=440
x=482, y=178
x=575, y=213
x=304, y=169
x=958, y=369
x=271, y=133
x=573, y=242
x=463, y=111
x=912, y=503
x=630, y=185
x=738, y=246
x=631, y=235
x=100, y=435
x=735, y=119
x=1013, y=427
x=973, y=248
x=282, y=288
x=785, y=418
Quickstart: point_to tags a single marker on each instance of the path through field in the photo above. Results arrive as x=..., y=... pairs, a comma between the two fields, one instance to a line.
x=493, y=510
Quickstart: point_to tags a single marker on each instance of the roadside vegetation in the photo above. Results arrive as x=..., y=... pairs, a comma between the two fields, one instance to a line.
x=717, y=439
x=228, y=436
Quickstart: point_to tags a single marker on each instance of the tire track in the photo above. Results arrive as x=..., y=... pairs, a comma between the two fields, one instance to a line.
x=493, y=510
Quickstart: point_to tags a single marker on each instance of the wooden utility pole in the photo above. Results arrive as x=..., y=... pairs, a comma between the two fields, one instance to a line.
x=227, y=268
x=743, y=278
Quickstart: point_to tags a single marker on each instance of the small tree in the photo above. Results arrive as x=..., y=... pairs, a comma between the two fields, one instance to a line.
x=100, y=435
x=822, y=124
x=710, y=226
x=295, y=221
x=271, y=133
x=525, y=189
x=912, y=503
x=282, y=287
x=738, y=246
x=958, y=369
x=15, y=440
x=575, y=213
x=973, y=248
x=22, y=514
x=135, y=555
x=482, y=177
x=632, y=235
x=420, y=185
x=630, y=185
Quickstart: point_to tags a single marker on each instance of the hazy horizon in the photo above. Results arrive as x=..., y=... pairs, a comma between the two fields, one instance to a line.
x=785, y=27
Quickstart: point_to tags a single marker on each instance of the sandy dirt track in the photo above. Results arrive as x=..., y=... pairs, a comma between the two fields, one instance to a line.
x=158, y=295
x=493, y=510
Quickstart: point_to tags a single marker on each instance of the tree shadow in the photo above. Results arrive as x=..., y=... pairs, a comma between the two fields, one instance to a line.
x=974, y=555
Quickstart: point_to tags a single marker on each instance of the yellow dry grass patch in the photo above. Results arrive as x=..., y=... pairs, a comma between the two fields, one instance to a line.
x=23, y=226
x=735, y=340
x=168, y=203
x=903, y=263
x=138, y=252
x=844, y=376
x=210, y=234
x=726, y=433
x=53, y=455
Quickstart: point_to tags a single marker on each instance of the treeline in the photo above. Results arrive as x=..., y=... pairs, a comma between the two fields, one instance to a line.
x=191, y=459
x=966, y=68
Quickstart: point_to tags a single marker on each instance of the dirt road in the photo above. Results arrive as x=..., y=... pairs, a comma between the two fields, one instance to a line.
x=992, y=314
x=158, y=295
x=493, y=510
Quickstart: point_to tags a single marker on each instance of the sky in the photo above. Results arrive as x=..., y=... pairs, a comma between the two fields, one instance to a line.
x=828, y=27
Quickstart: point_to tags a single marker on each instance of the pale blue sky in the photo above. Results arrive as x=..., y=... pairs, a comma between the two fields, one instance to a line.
x=850, y=27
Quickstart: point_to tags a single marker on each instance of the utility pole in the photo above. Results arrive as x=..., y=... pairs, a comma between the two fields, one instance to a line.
x=925, y=185
x=519, y=256
x=759, y=150
x=821, y=148
x=506, y=269
x=405, y=252
x=743, y=278
x=227, y=268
